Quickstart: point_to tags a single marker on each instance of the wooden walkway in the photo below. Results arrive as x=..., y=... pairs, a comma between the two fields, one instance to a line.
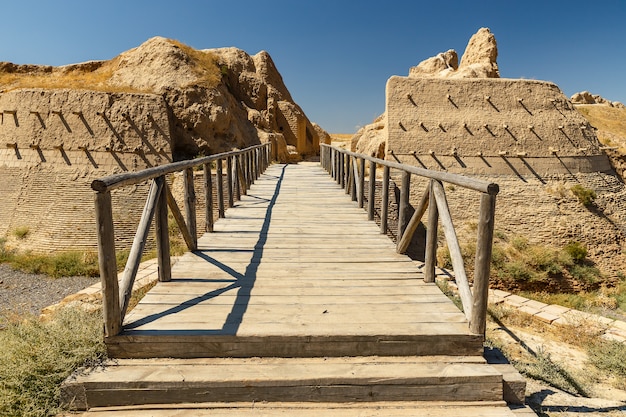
x=295, y=260
x=295, y=305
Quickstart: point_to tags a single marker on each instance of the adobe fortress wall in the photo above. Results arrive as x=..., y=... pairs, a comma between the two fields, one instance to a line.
x=524, y=135
x=489, y=126
x=53, y=143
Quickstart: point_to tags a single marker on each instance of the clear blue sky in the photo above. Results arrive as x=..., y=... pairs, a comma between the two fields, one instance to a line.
x=335, y=56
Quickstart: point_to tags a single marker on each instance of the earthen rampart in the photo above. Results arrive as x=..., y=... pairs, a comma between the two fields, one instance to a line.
x=55, y=142
x=489, y=127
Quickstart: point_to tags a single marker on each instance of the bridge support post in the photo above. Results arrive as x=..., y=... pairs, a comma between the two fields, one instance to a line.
x=190, y=206
x=372, y=191
x=108, y=265
x=208, y=197
x=484, y=245
x=403, y=209
x=229, y=178
x=220, y=188
x=431, y=238
x=361, y=188
x=162, y=235
x=384, y=202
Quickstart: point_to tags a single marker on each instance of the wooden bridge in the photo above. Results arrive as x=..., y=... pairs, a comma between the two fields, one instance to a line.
x=292, y=303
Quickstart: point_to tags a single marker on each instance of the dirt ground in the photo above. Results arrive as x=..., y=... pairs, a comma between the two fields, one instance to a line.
x=546, y=400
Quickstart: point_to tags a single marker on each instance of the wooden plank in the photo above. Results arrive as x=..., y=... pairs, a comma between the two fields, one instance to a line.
x=285, y=266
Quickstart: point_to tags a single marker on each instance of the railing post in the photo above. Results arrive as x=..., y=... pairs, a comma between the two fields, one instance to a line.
x=403, y=209
x=220, y=188
x=354, y=170
x=108, y=264
x=431, y=237
x=208, y=198
x=229, y=180
x=348, y=174
x=372, y=191
x=361, y=187
x=384, y=201
x=341, y=169
x=162, y=235
x=190, y=206
x=482, y=263
x=336, y=166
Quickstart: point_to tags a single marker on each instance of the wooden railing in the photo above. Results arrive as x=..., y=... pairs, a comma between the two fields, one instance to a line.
x=348, y=169
x=242, y=168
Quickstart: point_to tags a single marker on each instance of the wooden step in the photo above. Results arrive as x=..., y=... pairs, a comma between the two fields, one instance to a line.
x=295, y=409
x=340, y=380
x=188, y=343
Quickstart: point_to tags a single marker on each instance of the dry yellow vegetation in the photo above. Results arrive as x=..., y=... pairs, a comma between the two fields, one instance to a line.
x=610, y=122
x=78, y=77
x=97, y=74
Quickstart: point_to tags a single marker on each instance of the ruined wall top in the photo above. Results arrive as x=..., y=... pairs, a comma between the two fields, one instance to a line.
x=464, y=119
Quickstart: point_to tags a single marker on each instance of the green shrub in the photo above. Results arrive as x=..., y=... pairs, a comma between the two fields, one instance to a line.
x=36, y=356
x=585, y=195
x=585, y=273
x=576, y=250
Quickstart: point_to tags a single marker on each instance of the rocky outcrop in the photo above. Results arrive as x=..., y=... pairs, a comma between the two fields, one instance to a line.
x=585, y=97
x=480, y=57
x=479, y=60
x=219, y=99
x=160, y=102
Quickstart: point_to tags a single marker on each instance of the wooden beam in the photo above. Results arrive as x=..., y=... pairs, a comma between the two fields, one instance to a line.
x=178, y=216
x=371, y=196
x=384, y=203
x=162, y=234
x=108, y=264
x=431, y=237
x=454, y=248
x=128, y=178
x=482, y=264
x=415, y=220
x=456, y=179
x=208, y=198
x=220, y=188
x=361, y=187
x=403, y=205
x=229, y=181
x=190, y=207
x=139, y=243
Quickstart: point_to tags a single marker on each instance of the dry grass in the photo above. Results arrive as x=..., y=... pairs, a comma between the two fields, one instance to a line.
x=341, y=140
x=36, y=356
x=611, y=123
x=205, y=65
x=96, y=77
x=80, y=79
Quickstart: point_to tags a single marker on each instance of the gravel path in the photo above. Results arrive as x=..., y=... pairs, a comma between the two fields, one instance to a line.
x=29, y=293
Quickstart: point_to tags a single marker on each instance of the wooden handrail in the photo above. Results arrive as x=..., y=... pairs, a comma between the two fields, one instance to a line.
x=129, y=178
x=342, y=165
x=249, y=163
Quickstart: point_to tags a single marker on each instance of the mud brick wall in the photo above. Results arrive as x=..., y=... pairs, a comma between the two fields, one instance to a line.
x=53, y=143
